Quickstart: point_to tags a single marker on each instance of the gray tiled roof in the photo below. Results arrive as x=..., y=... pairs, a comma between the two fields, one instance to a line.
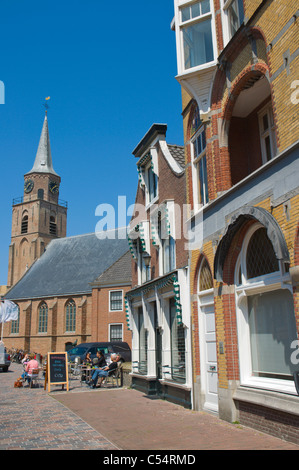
x=69, y=265
x=178, y=153
x=119, y=272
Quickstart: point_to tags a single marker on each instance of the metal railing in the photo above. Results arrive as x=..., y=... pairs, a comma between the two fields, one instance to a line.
x=20, y=200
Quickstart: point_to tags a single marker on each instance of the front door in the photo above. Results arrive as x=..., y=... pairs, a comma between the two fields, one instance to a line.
x=208, y=351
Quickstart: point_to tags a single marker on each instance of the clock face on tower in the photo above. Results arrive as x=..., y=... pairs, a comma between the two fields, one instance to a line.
x=28, y=186
x=53, y=187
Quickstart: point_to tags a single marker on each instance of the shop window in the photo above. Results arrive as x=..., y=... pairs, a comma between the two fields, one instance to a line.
x=178, y=354
x=142, y=334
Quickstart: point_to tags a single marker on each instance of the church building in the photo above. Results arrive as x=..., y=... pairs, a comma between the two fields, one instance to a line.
x=52, y=278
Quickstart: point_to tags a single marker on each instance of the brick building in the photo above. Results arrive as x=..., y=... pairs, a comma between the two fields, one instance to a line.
x=67, y=288
x=158, y=303
x=238, y=65
x=38, y=216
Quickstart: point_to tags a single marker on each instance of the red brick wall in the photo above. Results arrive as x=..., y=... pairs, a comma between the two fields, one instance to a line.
x=102, y=317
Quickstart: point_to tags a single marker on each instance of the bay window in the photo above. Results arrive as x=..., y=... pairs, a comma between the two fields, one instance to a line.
x=195, y=20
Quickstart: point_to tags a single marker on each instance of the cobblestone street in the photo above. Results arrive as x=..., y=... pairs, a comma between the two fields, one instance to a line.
x=110, y=420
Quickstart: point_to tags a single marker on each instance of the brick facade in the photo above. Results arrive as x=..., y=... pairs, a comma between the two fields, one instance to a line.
x=262, y=53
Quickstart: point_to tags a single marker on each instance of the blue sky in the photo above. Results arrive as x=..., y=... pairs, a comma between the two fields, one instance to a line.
x=109, y=68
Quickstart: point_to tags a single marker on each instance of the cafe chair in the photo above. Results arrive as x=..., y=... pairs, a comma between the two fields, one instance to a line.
x=116, y=377
x=33, y=377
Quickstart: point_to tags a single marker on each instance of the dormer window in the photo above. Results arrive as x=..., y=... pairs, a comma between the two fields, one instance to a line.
x=151, y=183
x=195, y=21
x=148, y=175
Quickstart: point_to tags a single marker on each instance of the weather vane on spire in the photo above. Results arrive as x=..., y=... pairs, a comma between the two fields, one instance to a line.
x=46, y=104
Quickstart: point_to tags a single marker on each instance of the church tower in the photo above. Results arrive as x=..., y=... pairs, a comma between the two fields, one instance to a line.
x=38, y=216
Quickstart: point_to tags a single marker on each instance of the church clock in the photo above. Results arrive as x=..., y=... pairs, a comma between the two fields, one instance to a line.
x=28, y=186
x=53, y=187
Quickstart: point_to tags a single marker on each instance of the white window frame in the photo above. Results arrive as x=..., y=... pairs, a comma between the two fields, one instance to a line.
x=266, y=283
x=179, y=5
x=227, y=34
x=122, y=330
x=196, y=181
x=270, y=132
x=122, y=300
x=149, y=200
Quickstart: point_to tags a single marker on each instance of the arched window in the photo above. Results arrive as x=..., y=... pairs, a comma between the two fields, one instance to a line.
x=15, y=324
x=43, y=318
x=205, y=276
x=70, y=316
x=251, y=134
x=265, y=313
x=24, y=227
x=53, y=227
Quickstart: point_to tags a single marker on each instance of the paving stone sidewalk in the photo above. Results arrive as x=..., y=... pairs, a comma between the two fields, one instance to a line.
x=111, y=420
x=33, y=419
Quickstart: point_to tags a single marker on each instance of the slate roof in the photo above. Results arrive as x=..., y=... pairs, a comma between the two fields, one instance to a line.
x=69, y=265
x=178, y=153
x=119, y=272
x=43, y=160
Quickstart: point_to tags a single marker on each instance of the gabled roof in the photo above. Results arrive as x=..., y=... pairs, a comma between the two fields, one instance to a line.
x=120, y=272
x=70, y=264
x=178, y=153
x=43, y=160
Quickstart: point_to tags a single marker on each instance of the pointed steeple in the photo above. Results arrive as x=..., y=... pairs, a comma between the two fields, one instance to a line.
x=43, y=160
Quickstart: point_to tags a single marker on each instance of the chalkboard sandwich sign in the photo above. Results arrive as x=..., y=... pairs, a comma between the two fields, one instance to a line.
x=57, y=370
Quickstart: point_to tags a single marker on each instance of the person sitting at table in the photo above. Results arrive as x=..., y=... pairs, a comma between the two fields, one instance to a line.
x=99, y=360
x=104, y=372
x=30, y=366
x=87, y=362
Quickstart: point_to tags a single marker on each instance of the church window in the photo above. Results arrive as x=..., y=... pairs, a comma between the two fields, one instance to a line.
x=43, y=318
x=15, y=324
x=70, y=316
x=24, y=227
x=53, y=227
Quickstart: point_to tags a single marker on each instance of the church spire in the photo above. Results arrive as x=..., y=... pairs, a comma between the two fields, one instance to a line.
x=43, y=160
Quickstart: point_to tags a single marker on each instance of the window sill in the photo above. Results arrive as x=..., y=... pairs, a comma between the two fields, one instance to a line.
x=172, y=383
x=285, y=402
